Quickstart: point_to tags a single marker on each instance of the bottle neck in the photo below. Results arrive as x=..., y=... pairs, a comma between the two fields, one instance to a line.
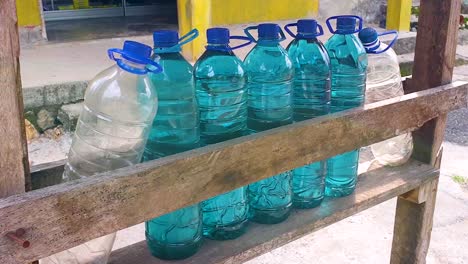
x=374, y=46
x=131, y=66
x=218, y=47
x=268, y=42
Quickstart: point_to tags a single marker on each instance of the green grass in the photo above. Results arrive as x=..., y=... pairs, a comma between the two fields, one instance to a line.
x=460, y=179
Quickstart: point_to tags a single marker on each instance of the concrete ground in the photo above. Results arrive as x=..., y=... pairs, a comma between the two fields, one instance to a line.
x=363, y=238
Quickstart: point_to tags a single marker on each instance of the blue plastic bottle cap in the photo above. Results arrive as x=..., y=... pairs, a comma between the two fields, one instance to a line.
x=136, y=51
x=307, y=26
x=268, y=31
x=368, y=36
x=346, y=25
x=165, y=38
x=217, y=35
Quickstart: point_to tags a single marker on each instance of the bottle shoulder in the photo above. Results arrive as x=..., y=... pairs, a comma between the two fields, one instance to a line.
x=175, y=68
x=218, y=64
x=120, y=95
x=346, y=53
x=115, y=82
x=268, y=59
x=308, y=52
x=343, y=43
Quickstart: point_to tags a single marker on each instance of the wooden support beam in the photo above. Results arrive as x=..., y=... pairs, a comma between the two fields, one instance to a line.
x=399, y=14
x=373, y=187
x=433, y=65
x=69, y=214
x=14, y=163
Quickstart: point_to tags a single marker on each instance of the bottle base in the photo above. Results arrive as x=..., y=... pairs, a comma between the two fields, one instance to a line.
x=339, y=191
x=225, y=232
x=303, y=203
x=270, y=216
x=173, y=251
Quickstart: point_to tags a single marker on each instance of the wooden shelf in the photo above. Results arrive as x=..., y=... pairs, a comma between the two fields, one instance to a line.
x=373, y=187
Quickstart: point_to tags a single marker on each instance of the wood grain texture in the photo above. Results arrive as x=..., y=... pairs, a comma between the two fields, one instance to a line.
x=413, y=227
x=373, y=187
x=69, y=214
x=433, y=66
x=13, y=146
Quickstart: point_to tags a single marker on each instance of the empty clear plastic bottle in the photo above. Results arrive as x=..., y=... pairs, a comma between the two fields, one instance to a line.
x=178, y=234
x=311, y=98
x=119, y=106
x=270, y=74
x=348, y=63
x=222, y=96
x=384, y=82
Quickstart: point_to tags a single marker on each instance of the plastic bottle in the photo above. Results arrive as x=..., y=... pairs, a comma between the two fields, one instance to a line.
x=311, y=98
x=270, y=74
x=119, y=106
x=384, y=82
x=222, y=95
x=178, y=234
x=348, y=63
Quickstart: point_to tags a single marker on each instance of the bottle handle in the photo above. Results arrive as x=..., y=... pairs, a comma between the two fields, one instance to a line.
x=249, y=41
x=286, y=28
x=191, y=35
x=283, y=37
x=247, y=29
x=390, y=44
x=151, y=66
x=330, y=27
x=247, y=33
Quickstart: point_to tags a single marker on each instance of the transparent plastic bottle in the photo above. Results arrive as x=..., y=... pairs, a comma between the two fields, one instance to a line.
x=119, y=106
x=311, y=98
x=222, y=95
x=348, y=63
x=270, y=75
x=175, y=129
x=384, y=82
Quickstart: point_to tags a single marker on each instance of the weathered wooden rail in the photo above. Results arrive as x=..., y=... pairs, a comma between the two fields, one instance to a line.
x=65, y=215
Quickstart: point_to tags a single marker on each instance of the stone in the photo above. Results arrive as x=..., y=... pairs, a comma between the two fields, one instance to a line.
x=68, y=115
x=53, y=94
x=45, y=120
x=54, y=133
x=31, y=132
x=32, y=118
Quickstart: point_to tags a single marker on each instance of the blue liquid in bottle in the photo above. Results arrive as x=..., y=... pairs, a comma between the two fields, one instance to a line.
x=178, y=234
x=311, y=98
x=349, y=64
x=221, y=90
x=270, y=74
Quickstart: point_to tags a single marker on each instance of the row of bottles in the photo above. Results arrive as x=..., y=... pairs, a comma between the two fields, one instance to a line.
x=222, y=98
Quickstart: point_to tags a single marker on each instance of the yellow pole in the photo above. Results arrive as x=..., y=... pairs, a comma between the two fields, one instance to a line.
x=28, y=13
x=194, y=14
x=399, y=14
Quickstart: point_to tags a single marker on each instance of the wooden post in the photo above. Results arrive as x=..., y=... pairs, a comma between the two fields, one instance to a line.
x=194, y=14
x=399, y=14
x=14, y=163
x=433, y=65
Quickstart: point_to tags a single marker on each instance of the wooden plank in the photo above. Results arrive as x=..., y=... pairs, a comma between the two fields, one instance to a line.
x=373, y=187
x=13, y=147
x=69, y=214
x=433, y=66
x=47, y=174
x=399, y=14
